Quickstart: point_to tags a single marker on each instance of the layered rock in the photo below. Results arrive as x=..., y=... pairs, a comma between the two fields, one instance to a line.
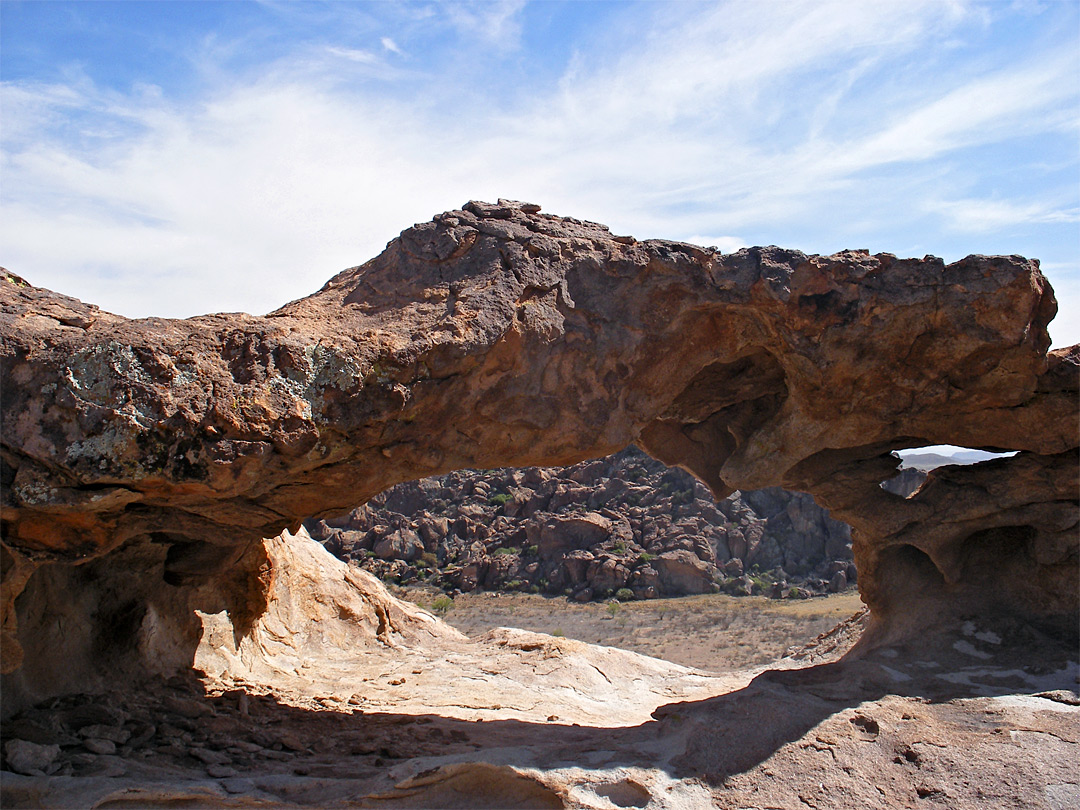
x=593, y=530
x=155, y=454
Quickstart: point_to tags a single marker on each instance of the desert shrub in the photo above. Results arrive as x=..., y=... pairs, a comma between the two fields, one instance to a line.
x=500, y=499
x=624, y=594
x=428, y=559
x=442, y=604
x=761, y=583
x=510, y=550
x=532, y=551
x=558, y=633
x=620, y=547
x=646, y=557
x=534, y=589
x=613, y=608
x=513, y=585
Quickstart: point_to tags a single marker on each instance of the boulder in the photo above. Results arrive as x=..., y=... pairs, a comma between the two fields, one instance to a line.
x=684, y=572
x=402, y=544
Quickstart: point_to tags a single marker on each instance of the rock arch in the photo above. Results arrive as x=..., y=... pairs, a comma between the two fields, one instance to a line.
x=496, y=335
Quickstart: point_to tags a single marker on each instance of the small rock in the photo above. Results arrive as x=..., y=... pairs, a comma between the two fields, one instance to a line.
x=238, y=784
x=220, y=771
x=96, y=745
x=25, y=729
x=292, y=742
x=141, y=735
x=186, y=707
x=89, y=714
x=110, y=769
x=28, y=758
x=209, y=757
x=102, y=732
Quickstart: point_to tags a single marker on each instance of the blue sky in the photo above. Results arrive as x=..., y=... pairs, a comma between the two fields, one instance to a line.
x=174, y=158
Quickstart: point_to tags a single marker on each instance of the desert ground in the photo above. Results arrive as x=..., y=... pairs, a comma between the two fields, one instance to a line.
x=714, y=632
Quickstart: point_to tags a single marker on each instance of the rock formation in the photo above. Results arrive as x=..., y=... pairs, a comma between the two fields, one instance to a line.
x=339, y=695
x=143, y=461
x=624, y=525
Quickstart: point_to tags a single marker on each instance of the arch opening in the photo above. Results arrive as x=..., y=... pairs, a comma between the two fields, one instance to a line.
x=602, y=551
x=916, y=463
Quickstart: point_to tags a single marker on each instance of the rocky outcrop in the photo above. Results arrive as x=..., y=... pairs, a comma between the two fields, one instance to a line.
x=144, y=461
x=621, y=525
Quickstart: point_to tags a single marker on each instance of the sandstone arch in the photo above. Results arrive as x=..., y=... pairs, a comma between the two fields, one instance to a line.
x=496, y=335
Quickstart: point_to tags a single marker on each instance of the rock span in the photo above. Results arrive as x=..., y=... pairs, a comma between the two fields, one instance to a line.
x=144, y=460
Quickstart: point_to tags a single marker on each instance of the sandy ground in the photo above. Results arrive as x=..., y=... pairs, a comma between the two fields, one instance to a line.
x=714, y=632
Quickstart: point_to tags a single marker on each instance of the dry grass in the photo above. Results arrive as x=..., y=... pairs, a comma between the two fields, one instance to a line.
x=715, y=631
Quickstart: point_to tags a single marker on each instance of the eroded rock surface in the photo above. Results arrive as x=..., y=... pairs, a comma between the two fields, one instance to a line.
x=144, y=460
x=341, y=696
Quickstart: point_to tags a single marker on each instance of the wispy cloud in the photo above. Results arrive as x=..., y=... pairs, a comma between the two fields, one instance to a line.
x=355, y=55
x=817, y=122
x=498, y=23
x=990, y=215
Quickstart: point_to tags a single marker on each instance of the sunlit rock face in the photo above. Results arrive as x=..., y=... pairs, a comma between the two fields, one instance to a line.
x=157, y=453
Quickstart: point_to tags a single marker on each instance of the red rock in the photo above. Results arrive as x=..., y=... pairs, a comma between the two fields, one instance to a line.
x=163, y=451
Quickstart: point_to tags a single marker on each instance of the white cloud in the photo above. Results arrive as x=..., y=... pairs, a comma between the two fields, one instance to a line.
x=743, y=118
x=389, y=45
x=355, y=55
x=991, y=215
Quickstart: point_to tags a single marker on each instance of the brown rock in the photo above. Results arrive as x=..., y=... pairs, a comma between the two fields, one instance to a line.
x=684, y=572
x=162, y=451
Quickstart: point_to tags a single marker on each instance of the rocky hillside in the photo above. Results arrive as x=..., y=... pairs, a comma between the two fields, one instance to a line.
x=621, y=525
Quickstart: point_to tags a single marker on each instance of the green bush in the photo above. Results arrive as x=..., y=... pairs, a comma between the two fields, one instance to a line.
x=613, y=608
x=500, y=499
x=624, y=594
x=558, y=633
x=442, y=604
x=510, y=550
x=620, y=547
x=532, y=551
x=646, y=557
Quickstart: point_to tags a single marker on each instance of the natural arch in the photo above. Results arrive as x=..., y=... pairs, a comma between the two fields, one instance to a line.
x=496, y=336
